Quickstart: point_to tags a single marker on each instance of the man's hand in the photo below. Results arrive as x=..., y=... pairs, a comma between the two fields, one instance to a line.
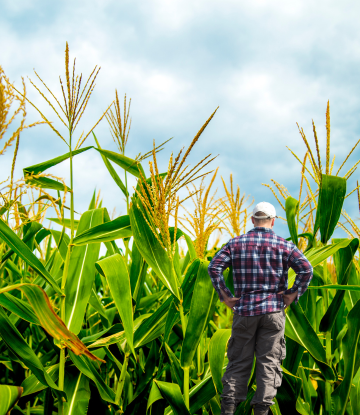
x=289, y=298
x=229, y=301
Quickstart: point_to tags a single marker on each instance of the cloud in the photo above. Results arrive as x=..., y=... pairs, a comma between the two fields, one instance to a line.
x=266, y=64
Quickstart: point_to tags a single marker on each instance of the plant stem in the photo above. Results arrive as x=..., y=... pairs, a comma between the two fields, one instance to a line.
x=121, y=382
x=182, y=318
x=328, y=386
x=65, y=274
x=186, y=386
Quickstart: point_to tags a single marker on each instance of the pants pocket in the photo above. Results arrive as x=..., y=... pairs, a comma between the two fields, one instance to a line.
x=282, y=348
x=274, y=321
x=278, y=377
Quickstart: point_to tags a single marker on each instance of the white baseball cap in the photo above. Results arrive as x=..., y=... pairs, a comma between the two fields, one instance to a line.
x=266, y=208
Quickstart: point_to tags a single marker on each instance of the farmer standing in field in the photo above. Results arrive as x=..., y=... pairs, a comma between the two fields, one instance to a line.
x=260, y=261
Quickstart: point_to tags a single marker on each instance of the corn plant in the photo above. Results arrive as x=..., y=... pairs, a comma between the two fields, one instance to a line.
x=140, y=329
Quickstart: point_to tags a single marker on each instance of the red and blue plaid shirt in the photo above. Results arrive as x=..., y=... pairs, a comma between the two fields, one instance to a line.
x=260, y=261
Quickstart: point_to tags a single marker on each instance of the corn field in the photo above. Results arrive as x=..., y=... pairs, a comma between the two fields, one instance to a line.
x=136, y=327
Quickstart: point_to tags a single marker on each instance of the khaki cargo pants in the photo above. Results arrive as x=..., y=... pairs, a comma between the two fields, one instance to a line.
x=263, y=336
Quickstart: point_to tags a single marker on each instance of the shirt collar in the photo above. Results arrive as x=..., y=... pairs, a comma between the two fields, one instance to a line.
x=261, y=229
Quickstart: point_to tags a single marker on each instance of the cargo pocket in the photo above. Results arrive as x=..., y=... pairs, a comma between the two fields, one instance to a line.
x=282, y=349
x=278, y=377
x=230, y=350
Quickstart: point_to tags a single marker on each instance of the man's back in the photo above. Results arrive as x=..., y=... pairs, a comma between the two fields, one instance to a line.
x=260, y=261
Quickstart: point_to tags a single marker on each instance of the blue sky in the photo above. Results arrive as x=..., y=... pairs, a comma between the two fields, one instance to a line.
x=267, y=65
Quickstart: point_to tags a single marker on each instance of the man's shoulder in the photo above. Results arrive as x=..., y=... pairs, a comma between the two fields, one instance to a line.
x=266, y=237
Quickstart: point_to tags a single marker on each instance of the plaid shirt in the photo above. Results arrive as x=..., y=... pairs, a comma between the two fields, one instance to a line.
x=260, y=261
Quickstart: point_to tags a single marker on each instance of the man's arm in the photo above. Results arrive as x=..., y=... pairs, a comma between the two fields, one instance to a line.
x=304, y=272
x=219, y=263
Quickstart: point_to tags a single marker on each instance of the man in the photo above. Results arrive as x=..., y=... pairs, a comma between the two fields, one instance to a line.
x=260, y=261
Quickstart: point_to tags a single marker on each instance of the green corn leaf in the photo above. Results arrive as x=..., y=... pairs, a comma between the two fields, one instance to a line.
x=288, y=392
x=331, y=199
x=343, y=258
x=176, y=371
x=9, y=397
x=217, y=347
x=45, y=182
x=199, y=394
x=111, y=170
x=199, y=311
x=96, y=304
x=91, y=370
x=299, y=329
x=93, y=201
x=291, y=209
x=172, y=393
x=41, y=167
x=47, y=317
x=65, y=222
x=154, y=396
x=18, y=345
x=81, y=273
x=337, y=287
x=132, y=166
x=151, y=250
x=118, y=337
x=318, y=255
x=108, y=231
x=173, y=316
x=355, y=394
x=77, y=390
x=19, y=307
x=32, y=385
x=115, y=270
x=351, y=362
x=30, y=231
x=62, y=241
x=23, y=251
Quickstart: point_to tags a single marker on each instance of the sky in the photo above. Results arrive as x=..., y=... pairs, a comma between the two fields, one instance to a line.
x=266, y=65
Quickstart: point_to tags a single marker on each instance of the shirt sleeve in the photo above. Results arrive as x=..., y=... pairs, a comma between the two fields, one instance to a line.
x=217, y=266
x=304, y=272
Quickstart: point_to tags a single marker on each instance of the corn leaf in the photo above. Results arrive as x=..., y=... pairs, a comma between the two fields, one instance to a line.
x=77, y=390
x=39, y=168
x=176, y=371
x=91, y=370
x=350, y=349
x=331, y=199
x=199, y=311
x=172, y=393
x=111, y=170
x=317, y=255
x=65, y=222
x=298, y=328
x=217, y=347
x=291, y=209
x=19, y=307
x=18, y=345
x=81, y=273
x=343, y=259
x=108, y=231
x=29, y=232
x=48, y=319
x=116, y=273
x=9, y=397
x=33, y=385
x=132, y=166
x=23, y=251
x=151, y=250
x=355, y=394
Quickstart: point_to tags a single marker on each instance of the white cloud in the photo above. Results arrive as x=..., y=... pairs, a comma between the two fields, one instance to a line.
x=267, y=64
